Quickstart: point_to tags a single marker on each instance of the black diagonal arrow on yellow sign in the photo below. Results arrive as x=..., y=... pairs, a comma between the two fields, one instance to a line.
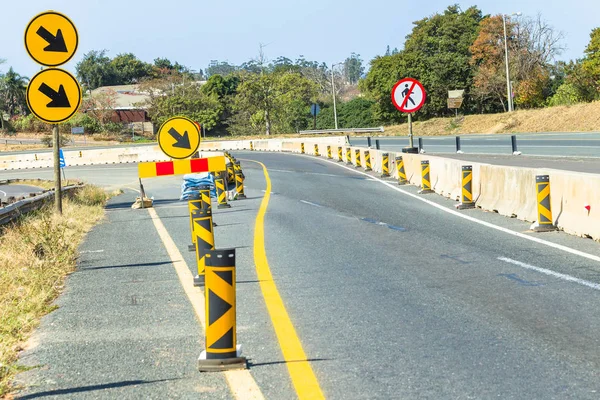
x=59, y=98
x=56, y=43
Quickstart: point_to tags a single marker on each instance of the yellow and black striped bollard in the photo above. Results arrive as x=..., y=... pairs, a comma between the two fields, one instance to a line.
x=317, y=150
x=348, y=156
x=194, y=205
x=425, y=179
x=368, y=161
x=221, y=193
x=357, y=158
x=544, y=221
x=237, y=167
x=205, y=241
x=251, y=146
x=302, y=148
x=329, y=156
x=385, y=165
x=401, y=172
x=230, y=173
x=206, y=200
x=221, y=349
x=466, y=198
x=239, y=185
x=340, y=154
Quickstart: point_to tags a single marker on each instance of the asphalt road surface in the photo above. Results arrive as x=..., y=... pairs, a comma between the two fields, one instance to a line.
x=539, y=144
x=391, y=295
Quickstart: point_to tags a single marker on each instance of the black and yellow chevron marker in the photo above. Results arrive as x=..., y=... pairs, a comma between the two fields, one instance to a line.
x=239, y=185
x=348, y=156
x=466, y=198
x=220, y=302
x=357, y=158
x=237, y=167
x=544, y=222
x=205, y=241
x=425, y=179
x=401, y=172
x=194, y=205
x=302, y=148
x=340, y=154
x=317, y=150
x=221, y=193
x=329, y=155
x=251, y=146
x=368, y=161
x=385, y=165
x=205, y=197
x=230, y=173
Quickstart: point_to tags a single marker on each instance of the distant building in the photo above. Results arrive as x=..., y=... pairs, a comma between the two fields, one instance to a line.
x=128, y=103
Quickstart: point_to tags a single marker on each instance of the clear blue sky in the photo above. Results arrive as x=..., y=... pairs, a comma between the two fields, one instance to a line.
x=193, y=32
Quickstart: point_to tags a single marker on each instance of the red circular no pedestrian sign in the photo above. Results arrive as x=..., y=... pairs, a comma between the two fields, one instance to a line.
x=408, y=95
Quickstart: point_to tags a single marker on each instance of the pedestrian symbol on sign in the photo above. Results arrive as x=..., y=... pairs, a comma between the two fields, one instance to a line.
x=408, y=95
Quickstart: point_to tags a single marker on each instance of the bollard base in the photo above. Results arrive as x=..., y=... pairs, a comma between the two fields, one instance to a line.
x=368, y=170
x=241, y=196
x=465, y=206
x=460, y=152
x=191, y=247
x=517, y=153
x=402, y=183
x=412, y=150
x=225, y=364
x=385, y=176
x=221, y=206
x=425, y=191
x=199, y=280
x=536, y=227
x=421, y=151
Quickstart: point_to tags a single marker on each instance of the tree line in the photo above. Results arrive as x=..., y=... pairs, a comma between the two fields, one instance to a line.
x=450, y=50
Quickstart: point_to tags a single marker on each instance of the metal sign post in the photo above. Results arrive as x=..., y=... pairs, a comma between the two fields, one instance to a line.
x=408, y=96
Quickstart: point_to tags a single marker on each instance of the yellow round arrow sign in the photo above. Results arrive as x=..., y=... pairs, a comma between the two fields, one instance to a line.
x=53, y=95
x=51, y=39
x=179, y=137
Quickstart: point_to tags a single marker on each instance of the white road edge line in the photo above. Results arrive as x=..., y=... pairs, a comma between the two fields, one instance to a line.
x=469, y=218
x=3, y=192
x=558, y=275
x=311, y=204
x=241, y=383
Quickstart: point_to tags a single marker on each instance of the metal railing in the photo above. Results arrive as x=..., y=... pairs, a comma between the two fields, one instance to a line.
x=342, y=130
x=15, y=210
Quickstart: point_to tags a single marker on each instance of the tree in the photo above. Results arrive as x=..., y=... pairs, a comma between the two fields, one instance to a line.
x=437, y=53
x=12, y=91
x=356, y=113
x=591, y=62
x=220, y=68
x=171, y=96
x=353, y=68
x=96, y=70
x=273, y=101
x=532, y=44
x=129, y=69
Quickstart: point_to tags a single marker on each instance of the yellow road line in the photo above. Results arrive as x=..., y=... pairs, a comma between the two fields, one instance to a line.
x=304, y=379
x=241, y=383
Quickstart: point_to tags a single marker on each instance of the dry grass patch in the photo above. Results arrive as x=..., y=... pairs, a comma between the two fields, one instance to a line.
x=43, y=183
x=576, y=118
x=38, y=251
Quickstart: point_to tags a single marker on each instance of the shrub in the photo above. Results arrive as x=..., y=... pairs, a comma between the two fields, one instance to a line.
x=113, y=127
x=565, y=95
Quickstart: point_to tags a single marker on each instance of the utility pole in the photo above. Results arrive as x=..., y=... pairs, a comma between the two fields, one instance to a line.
x=57, y=182
x=508, y=85
x=333, y=93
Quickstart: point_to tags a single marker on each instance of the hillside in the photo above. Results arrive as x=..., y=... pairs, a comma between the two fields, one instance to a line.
x=577, y=118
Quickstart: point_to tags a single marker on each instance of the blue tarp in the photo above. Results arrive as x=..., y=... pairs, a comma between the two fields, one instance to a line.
x=191, y=181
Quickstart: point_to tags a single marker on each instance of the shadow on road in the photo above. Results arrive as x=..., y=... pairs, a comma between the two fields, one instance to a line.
x=91, y=388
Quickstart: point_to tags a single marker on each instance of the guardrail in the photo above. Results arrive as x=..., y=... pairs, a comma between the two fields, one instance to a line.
x=15, y=210
x=344, y=130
